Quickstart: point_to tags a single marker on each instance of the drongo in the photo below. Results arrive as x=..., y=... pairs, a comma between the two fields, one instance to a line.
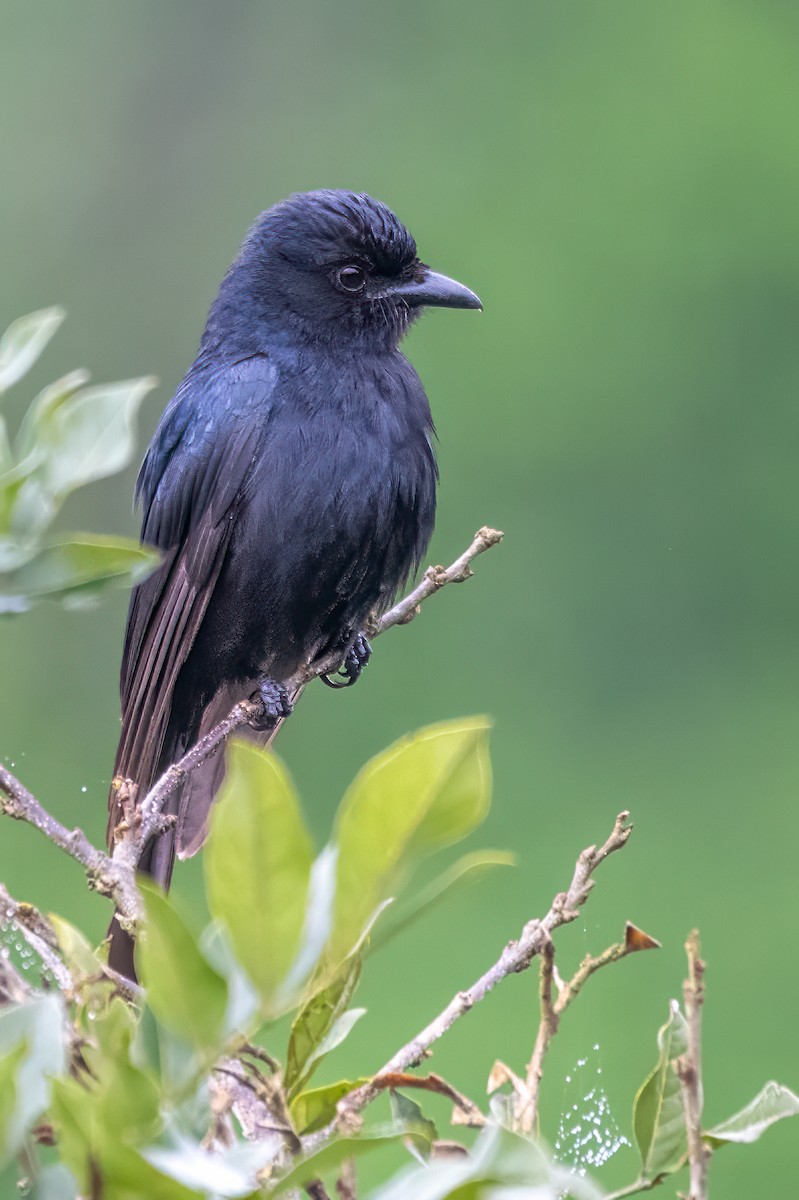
x=290, y=487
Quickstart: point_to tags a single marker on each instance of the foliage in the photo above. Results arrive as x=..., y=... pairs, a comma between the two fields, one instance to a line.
x=146, y=1093
x=173, y=1090
x=71, y=435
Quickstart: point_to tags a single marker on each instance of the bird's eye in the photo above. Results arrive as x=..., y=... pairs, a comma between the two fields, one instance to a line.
x=351, y=278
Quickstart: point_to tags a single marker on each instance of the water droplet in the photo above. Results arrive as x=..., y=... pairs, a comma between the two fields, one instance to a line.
x=594, y=1137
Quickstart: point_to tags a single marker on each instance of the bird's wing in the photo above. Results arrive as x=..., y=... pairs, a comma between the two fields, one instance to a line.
x=190, y=485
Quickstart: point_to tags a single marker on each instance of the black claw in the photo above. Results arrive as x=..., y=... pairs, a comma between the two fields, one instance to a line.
x=356, y=658
x=276, y=705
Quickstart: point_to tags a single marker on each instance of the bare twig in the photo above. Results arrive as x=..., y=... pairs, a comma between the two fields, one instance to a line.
x=517, y=956
x=689, y=1069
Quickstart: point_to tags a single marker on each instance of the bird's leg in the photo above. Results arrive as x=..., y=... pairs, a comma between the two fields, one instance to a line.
x=276, y=705
x=354, y=662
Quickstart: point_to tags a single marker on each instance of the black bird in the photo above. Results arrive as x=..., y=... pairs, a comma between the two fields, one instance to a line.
x=290, y=487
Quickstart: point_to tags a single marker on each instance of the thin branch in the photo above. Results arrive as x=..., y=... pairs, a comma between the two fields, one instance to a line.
x=689, y=1069
x=517, y=956
x=434, y=579
x=526, y=1102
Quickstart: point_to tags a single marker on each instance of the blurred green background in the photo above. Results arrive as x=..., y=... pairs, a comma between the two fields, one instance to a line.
x=620, y=183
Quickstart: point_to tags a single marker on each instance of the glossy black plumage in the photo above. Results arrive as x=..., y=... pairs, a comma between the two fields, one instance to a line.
x=290, y=485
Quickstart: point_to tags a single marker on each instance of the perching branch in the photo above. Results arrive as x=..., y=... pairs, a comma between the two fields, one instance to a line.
x=246, y=711
x=689, y=1069
x=115, y=875
x=517, y=956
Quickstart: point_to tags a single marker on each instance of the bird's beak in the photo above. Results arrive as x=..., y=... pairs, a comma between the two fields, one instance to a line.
x=437, y=291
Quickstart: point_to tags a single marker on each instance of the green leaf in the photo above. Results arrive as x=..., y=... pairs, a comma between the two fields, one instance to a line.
x=83, y=435
x=229, y=1173
x=74, y=569
x=338, y=1033
x=498, y=1158
x=258, y=865
x=29, y=451
x=426, y=791
x=6, y=457
x=317, y=1016
x=243, y=1000
x=334, y=1153
x=316, y=1107
x=9, y=1064
x=772, y=1103
x=469, y=869
x=23, y=342
x=187, y=995
x=39, y=1024
x=75, y=948
x=317, y=923
x=658, y=1116
x=54, y=1183
x=407, y=1112
x=86, y=1140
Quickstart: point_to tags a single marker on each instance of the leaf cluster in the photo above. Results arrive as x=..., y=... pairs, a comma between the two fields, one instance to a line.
x=71, y=435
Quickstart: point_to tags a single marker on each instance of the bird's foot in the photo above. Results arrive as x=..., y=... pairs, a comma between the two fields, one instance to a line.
x=276, y=705
x=355, y=660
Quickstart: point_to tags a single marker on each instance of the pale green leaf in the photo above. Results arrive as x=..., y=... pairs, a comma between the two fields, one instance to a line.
x=316, y=1107
x=187, y=995
x=318, y=1014
x=24, y=341
x=75, y=948
x=407, y=1112
x=39, y=1024
x=6, y=457
x=54, y=1183
x=258, y=865
x=86, y=435
x=426, y=791
x=773, y=1103
x=28, y=445
x=515, y=1166
x=658, y=1116
x=74, y=569
x=229, y=1173
x=9, y=1064
x=317, y=924
x=330, y=1157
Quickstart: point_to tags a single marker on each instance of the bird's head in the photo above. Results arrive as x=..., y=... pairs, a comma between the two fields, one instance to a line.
x=333, y=268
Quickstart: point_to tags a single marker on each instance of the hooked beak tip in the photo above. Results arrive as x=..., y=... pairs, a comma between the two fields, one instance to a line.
x=436, y=291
